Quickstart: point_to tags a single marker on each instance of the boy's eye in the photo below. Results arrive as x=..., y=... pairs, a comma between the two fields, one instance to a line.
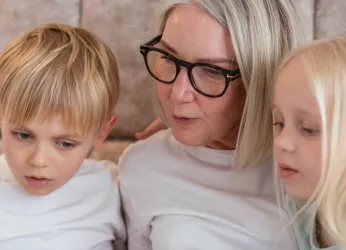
x=21, y=135
x=66, y=144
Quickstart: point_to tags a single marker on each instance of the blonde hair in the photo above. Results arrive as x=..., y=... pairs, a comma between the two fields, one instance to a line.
x=262, y=32
x=326, y=61
x=60, y=70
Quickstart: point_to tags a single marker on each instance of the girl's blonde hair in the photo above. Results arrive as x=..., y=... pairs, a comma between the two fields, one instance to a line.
x=59, y=70
x=262, y=32
x=326, y=61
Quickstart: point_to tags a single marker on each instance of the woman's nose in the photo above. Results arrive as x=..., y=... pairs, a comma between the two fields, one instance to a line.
x=182, y=90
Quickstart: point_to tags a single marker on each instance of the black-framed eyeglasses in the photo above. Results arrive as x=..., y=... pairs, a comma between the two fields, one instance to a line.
x=207, y=79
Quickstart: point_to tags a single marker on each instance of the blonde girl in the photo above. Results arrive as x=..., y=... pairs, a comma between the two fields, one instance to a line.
x=309, y=109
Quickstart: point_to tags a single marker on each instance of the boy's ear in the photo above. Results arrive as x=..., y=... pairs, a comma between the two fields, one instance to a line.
x=105, y=131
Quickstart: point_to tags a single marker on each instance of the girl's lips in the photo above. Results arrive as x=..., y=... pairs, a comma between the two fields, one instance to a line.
x=286, y=171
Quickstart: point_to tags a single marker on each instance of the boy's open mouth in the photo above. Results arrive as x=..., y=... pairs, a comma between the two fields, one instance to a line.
x=37, y=182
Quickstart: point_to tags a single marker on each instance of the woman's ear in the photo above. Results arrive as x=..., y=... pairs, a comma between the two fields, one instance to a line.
x=102, y=135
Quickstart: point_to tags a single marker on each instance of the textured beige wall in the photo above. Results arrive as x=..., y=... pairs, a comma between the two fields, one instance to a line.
x=330, y=18
x=17, y=16
x=124, y=26
x=305, y=9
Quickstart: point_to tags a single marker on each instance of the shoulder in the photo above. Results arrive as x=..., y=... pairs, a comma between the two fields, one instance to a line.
x=105, y=168
x=301, y=214
x=93, y=168
x=145, y=164
x=302, y=217
x=145, y=152
x=297, y=207
x=5, y=172
x=94, y=184
x=157, y=140
x=95, y=177
x=4, y=169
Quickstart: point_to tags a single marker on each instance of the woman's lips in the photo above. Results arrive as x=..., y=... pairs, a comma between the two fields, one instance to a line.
x=183, y=121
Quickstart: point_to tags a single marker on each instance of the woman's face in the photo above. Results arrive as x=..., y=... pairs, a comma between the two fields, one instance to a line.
x=196, y=120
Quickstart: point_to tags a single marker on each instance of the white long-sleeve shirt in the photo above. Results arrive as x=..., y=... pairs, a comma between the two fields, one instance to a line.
x=83, y=214
x=188, y=198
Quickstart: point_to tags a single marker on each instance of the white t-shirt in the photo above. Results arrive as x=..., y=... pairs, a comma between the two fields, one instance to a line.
x=83, y=214
x=182, y=198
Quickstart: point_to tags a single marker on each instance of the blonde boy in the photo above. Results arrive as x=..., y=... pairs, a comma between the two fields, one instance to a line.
x=58, y=89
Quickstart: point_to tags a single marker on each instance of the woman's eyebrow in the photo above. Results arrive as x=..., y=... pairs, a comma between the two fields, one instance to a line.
x=204, y=60
x=168, y=47
x=218, y=60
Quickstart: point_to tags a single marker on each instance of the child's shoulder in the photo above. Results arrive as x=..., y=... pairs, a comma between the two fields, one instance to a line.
x=94, y=167
x=294, y=207
x=5, y=172
x=95, y=176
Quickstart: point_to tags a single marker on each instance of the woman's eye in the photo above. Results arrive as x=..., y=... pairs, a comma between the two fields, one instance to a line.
x=167, y=59
x=213, y=73
x=21, y=135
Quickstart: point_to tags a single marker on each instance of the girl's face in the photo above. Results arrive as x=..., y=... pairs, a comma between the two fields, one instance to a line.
x=297, y=129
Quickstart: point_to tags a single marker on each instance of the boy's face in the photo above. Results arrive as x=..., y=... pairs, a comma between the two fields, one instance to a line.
x=44, y=155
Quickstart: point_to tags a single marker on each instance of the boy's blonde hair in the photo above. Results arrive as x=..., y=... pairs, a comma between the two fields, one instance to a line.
x=59, y=70
x=262, y=32
x=326, y=61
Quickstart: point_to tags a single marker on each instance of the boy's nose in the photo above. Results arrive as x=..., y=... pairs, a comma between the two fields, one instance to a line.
x=38, y=158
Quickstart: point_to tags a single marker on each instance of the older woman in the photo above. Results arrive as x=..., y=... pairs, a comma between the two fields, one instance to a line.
x=206, y=182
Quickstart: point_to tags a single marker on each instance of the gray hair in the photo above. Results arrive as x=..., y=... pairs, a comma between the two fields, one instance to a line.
x=262, y=32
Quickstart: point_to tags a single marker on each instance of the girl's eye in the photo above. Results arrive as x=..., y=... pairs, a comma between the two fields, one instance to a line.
x=309, y=131
x=66, y=144
x=278, y=125
x=21, y=135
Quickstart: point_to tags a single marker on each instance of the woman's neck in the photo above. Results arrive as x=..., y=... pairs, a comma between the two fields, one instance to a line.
x=228, y=142
x=222, y=145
